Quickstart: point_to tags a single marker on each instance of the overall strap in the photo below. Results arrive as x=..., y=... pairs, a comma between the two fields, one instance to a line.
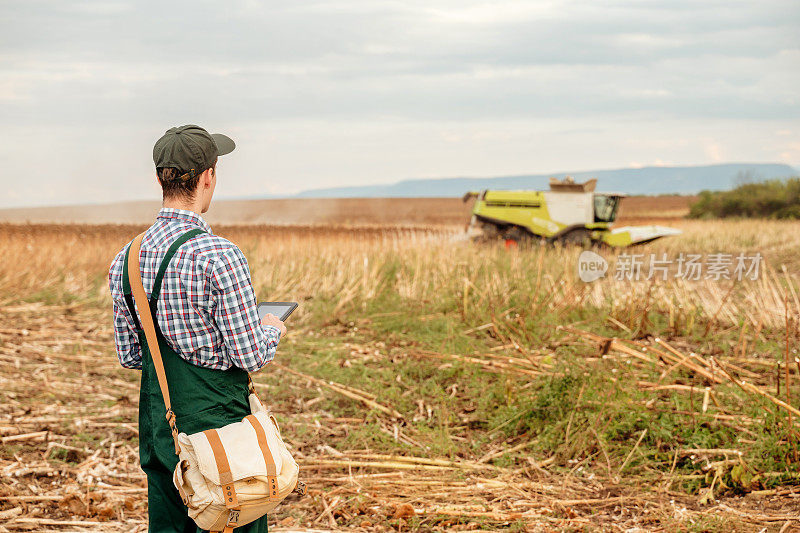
x=156, y=292
x=137, y=289
x=126, y=290
x=126, y=284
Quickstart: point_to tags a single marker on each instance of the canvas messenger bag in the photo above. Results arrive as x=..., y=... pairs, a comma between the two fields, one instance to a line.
x=229, y=476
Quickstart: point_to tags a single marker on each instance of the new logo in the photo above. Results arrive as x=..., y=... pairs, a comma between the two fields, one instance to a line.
x=591, y=266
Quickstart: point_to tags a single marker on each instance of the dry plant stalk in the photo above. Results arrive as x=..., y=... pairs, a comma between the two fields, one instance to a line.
x=350, y=392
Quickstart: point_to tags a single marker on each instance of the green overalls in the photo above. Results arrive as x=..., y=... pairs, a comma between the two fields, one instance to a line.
x=202, y=398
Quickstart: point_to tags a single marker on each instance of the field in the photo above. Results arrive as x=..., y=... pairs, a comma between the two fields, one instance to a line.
x=431, y=384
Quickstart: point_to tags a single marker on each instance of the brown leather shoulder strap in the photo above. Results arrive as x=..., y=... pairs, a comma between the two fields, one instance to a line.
x=146, y=319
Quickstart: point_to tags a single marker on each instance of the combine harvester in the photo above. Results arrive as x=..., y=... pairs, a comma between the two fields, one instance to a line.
x=569, y=213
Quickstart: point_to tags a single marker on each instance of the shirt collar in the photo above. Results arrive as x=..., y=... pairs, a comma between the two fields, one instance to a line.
x=184, y=215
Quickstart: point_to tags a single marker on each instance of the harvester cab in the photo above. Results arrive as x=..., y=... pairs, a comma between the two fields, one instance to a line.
x=569, y=213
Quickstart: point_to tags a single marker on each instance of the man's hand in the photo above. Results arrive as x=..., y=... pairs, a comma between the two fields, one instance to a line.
x=271, y=320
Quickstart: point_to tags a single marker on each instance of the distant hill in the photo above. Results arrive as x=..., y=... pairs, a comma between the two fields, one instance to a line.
x=641, y=181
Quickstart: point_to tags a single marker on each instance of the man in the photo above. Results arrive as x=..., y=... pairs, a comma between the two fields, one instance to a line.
x=204, y=309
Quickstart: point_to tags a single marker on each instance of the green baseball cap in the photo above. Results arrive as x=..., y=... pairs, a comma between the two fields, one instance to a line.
x=190, y=149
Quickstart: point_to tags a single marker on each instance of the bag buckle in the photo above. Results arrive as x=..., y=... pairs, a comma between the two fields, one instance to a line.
x=300, y=488
x=233, y=521
x=173, y=429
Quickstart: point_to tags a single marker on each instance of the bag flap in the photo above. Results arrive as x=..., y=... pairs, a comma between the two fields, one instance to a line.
x=242, y=449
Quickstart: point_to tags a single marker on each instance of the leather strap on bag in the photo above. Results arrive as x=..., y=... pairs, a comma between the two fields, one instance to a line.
x=223, y=467
x=226, y=478
x=269, y=460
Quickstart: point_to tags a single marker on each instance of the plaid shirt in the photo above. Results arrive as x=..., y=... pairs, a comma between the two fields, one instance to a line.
x=207, y=308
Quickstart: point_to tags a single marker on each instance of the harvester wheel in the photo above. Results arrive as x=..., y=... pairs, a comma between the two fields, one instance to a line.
x=521, y=237
x=577, y=237
x=515, y=234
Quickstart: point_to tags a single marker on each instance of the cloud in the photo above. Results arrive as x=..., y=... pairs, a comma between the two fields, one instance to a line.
x=338, y=72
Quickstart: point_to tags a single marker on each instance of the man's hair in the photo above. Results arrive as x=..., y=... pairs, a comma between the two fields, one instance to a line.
x=174, y=187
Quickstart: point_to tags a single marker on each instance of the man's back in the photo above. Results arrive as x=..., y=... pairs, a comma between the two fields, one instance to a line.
x=206, y=309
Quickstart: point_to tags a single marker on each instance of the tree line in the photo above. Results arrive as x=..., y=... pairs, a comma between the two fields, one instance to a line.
x=774, y=198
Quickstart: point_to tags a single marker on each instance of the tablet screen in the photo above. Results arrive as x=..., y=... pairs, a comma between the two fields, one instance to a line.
x=281, y=310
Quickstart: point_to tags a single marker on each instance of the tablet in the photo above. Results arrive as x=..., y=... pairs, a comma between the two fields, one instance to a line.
x=281, y=310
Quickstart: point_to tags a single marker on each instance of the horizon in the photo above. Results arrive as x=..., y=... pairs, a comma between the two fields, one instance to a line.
x=300, y=195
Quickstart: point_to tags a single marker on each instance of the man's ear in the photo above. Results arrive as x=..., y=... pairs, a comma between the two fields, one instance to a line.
x=206, y=178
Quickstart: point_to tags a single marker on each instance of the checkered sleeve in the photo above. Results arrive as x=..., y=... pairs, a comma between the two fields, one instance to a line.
x=128, y=350
x=250, y=345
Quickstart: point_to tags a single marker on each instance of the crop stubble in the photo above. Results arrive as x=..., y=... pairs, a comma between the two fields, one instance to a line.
x=68, y=419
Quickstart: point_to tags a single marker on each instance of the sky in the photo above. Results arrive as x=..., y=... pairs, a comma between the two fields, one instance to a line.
x=353, y=92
